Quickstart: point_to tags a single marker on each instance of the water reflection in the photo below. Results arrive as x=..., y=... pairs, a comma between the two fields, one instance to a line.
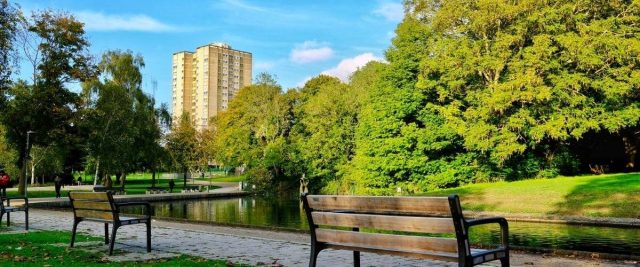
x=286, y=212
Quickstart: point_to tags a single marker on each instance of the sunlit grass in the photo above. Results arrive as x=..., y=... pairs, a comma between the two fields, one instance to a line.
x=614, y=195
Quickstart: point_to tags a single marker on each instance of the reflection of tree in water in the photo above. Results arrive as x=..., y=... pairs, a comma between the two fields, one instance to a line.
x=263, y=211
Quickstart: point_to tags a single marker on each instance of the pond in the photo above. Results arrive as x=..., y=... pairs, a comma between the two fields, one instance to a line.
x=286, y=212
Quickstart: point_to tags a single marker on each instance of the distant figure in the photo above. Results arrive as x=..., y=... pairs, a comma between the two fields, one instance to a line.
x=57, y=182
x=108, y=182
x=304, y=184
x=79, y=180
x=171, y=185
x=4, y=183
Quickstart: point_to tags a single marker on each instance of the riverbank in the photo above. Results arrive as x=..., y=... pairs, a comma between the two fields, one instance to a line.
x=258, y=247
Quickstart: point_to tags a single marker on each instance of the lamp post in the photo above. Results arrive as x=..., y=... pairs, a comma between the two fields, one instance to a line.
x=26, y=168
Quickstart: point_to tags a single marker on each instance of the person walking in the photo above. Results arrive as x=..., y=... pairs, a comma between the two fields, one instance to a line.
x=171, y=185
x=57, y=182
x=4, y=183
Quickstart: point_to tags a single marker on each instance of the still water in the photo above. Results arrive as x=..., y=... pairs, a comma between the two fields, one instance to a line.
x=287, y=212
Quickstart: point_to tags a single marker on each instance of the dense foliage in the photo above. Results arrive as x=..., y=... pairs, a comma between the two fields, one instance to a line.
x=473, y=91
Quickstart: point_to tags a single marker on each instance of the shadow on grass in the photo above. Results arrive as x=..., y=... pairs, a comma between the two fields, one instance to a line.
x=609, y=196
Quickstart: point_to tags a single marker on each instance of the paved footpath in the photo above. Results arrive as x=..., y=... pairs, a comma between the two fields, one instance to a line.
x=250, y=246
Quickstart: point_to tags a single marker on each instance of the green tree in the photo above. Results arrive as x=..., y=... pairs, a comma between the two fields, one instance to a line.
x=122, y=122
x=9, y=21
x=183, y=145
x=401, y=140
x=328, y=116
x=522, y=79
x=9, y=155
x=64, y=59
x=253, y=132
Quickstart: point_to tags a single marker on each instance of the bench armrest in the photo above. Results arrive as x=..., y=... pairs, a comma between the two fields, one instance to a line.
x=147, y=206
x=504, y=227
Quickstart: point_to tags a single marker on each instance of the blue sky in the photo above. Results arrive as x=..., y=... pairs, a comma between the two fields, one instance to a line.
x=294, y=40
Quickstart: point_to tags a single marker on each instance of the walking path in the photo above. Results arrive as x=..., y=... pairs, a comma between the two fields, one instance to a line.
x=251, y=246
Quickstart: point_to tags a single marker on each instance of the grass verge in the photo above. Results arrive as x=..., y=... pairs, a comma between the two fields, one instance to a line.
x=613, y=195
x=50, y=248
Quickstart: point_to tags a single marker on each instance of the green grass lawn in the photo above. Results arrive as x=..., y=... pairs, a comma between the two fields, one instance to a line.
x=229, y=178
x=614, y=195
x=50, y=248
x=135, y=185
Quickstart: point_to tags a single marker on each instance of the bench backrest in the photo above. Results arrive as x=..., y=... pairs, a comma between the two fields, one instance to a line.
x=330, y=215
x=93, y=205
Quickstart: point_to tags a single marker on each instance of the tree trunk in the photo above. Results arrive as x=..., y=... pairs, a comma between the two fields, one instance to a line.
x=185, y=177
x=122, y=180
x=33, y=173
x=95, y=179
x=153, y=177
x=631, y=142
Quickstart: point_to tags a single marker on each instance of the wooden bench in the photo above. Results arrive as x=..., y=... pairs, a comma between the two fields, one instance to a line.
x=8, y=209
x=100, y=207
x=335, y=222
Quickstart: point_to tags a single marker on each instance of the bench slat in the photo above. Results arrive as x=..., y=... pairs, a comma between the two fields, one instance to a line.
x=92, y=205
x=410, y=244
x=94, y=214
x=431, y=255
x=397, y=223
x=381, y=205
x=95, y=196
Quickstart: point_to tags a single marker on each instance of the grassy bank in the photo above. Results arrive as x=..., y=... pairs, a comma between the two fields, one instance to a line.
x=134, y=186
x=614, y=195
x=50, y=248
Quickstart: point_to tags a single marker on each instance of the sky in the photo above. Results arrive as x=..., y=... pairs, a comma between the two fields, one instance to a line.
x=293, y=40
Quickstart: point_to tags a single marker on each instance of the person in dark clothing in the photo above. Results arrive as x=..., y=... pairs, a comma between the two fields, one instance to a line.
x=57, y=182
x=79, y=180
x=171, y=185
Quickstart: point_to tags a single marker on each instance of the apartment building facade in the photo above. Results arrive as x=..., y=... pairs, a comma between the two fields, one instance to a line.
x=205, y=81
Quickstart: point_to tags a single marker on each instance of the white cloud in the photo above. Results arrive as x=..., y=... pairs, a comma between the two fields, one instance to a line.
x=310, y=51
x=347, y=66
x=263, y=65
x=94, y=21
x=245, y=6
x=390, y=11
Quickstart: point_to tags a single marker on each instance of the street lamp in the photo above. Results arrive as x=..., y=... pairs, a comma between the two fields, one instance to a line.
x=26, y=168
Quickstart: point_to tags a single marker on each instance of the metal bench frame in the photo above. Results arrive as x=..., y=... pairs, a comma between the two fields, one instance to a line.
x=8, y=209
x=117, y=221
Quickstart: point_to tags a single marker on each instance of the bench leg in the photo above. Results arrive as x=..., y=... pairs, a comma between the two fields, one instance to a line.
x=73, y=232
x=113, y=239
x=2, y=215
x=26, y=219
x=356, y=254
x=314, y=256
x=106, y=233
x=149, y=236
x=356, y=259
